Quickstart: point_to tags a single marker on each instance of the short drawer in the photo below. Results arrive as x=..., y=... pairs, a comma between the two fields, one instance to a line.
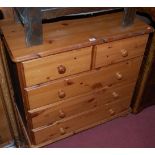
x=80, y=122
x=76, y=105
x=65, y=88
x=56, y=66
x=113, y=52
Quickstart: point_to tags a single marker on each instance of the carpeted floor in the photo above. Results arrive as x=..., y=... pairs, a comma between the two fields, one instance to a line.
x=130, y=131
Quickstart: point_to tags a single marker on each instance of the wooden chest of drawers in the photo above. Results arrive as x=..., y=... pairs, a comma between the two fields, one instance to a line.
x=82, y=75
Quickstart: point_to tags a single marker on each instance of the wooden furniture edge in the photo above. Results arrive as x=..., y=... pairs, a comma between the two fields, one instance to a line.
x=122, y=114
x=139, y=92
x=87, y=44
x=8, y=97
x=100, y=40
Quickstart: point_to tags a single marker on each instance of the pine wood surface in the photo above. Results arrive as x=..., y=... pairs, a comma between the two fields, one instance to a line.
x=72, y=125
x=45, y=69
x=48, y=68
x=8, y=126
x=82, y=75
x=30, y=143
x=144, y=95
x=121, y=50
x=60, y=36
x=74, y=106
x=82, y=83
x=6, y=22
x=5, y=134
x=7, y=12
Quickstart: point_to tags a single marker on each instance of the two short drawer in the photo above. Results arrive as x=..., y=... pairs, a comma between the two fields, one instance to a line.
x=57, y=66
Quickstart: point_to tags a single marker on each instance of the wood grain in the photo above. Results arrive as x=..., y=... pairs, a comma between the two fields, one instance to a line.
x=82, y=75
x=49, y=68
x=47, y=93
x=144, y=92
x=113, y=52
x=60, y=36
x=6, y=94
x=82, y=121
x=31, y=143
x=7, y=12
x=5, y=133
x=74, y=106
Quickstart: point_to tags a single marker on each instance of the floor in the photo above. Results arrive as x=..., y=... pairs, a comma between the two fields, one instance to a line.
x=130, y=131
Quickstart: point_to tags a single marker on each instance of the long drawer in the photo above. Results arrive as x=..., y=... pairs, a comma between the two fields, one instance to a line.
x=80, y=122
x=121, y=50
x=56, y=66
x=75, y=85
x=75, y=105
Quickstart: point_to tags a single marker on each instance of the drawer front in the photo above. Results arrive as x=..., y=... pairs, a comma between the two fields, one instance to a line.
x=74, y=106
x=83, y=83
x=80, y=122
x=113, y=52
x=56, y=66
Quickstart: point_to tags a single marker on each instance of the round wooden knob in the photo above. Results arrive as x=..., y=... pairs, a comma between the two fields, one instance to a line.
x=119, y=76
x=62, y=131
x=112, y=112
x=61, y=69
x=124, y=52
x=61, y=114
x=115, y=95
x=61, y=94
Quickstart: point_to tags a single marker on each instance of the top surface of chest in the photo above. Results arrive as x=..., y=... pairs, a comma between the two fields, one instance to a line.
x=70, y=35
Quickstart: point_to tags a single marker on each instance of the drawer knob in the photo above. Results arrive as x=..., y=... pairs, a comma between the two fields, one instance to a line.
x=119, y=76
x=112, y=112
x=115, y=95
x=62, y=131
x=61, y=94
x=124, y=52
x=61, y=69
x=61, y=114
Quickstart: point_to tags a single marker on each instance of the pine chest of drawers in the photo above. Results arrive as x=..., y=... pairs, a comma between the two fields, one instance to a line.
x=82, y=75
